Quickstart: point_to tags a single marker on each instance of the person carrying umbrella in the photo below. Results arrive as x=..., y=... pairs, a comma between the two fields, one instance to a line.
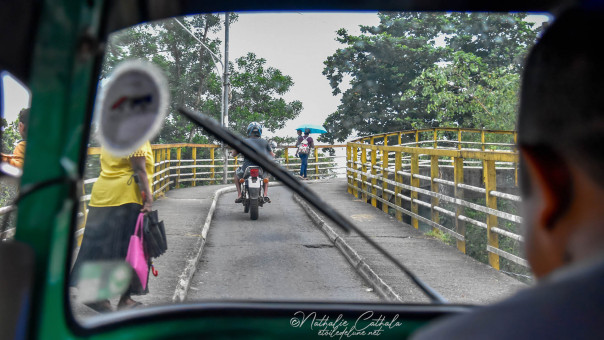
x=304, y=144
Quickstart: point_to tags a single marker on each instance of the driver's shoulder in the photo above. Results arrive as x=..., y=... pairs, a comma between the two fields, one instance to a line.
x=562, y=306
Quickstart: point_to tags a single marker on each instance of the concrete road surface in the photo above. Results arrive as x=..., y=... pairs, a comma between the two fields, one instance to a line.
x=280, y=256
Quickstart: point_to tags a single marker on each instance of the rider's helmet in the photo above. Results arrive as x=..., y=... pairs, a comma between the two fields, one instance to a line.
x=254, y=129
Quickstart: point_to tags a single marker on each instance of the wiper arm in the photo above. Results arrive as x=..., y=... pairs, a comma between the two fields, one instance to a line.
x=252, y=153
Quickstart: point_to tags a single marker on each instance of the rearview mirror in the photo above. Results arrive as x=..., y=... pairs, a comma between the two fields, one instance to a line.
x=131, y=107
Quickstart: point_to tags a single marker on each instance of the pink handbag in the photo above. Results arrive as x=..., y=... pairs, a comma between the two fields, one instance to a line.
x=136, y=254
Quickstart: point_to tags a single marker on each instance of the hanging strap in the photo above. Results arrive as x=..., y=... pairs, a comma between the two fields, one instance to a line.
x=139, y=223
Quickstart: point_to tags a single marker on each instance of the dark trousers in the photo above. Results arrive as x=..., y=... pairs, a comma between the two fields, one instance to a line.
x=303, y=164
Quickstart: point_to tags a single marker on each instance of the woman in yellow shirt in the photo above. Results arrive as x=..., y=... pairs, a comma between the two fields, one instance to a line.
x=115, y=203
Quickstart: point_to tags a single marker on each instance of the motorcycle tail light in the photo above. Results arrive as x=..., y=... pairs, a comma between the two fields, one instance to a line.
x=254, y=172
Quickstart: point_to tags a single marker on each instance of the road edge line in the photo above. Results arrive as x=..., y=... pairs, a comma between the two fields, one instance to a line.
x=357, y=262
x=184, y=280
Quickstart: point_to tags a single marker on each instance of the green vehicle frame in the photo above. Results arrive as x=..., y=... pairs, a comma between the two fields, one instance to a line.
x=56, y=48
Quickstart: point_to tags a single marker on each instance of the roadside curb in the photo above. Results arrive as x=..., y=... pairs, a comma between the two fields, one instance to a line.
x=357, y=262
x=184, y=280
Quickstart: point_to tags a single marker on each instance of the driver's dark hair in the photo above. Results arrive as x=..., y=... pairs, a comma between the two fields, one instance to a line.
x=562, y=98
x=24, y=116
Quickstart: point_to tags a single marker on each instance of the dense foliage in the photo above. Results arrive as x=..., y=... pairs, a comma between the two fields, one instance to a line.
x=194, y=76
x=417, y=70
x=10, y=135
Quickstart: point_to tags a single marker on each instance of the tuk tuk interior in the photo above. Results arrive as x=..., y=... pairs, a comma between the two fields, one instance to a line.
x=56, y=49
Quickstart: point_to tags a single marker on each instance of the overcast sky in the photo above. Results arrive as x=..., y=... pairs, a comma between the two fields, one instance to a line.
x=295, y=43
x=298, y=44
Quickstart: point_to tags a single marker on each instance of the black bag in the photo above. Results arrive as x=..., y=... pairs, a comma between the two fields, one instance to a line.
x=154, y=238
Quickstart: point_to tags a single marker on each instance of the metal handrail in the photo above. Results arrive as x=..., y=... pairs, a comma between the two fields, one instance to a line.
x=171, y=169
x=379, y=171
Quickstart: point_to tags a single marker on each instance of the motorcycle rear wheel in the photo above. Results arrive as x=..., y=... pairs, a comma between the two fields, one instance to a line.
x=253, y=206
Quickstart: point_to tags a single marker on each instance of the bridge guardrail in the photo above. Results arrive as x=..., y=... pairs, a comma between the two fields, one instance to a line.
x=176, y=164
x=405, y=171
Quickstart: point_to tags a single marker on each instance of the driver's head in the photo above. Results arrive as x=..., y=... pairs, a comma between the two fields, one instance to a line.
x=23, y=118
x=254, y=129
x=561, y=143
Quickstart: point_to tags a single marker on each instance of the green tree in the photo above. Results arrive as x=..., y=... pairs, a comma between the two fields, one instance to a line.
x=380, y=63
x=194, y=81
x=10, y=135
x=500, y=40
x=417, y=70
x=467, y=93
x=256, y=91
x=188, y=66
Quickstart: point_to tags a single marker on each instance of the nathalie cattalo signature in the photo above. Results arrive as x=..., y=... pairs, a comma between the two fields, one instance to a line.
x=367, y=324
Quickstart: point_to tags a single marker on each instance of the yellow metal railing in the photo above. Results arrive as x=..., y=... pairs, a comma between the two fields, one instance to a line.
x=317, y=163
x=406, y=170
x=171, y=169
x=201, y=165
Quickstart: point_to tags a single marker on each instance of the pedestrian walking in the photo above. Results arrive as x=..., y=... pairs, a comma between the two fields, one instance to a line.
x=305, y=144
x=115, y=204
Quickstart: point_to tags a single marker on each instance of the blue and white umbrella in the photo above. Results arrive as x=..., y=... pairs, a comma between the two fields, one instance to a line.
x=314, y=128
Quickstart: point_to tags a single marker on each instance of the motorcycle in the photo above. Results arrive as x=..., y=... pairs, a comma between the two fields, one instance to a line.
x=251, y=188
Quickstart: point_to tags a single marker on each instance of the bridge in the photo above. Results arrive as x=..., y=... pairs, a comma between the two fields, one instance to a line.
x=434, y=198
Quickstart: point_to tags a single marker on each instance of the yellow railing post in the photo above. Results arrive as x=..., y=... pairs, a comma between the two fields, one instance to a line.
x=178, y=156
x=349, y=165
x=384, y=176
x=416, y=138
x=316, y=163
x=398, y=178
x=435, y=138
x=364, y=170
x=286, y=155
x=169, y=165
x=460, y=226
x=156, y=169
x=491, y=202
x=355, y=183
x=162, y=153
x=194, y=156
x=236, y=162
x=373, y=179
x=459, y=139
x=414, y=183
x=516, y=163
x=484, y=163
x=434, y=188
x=160, y=168
x=400, y=134
x=212, y=163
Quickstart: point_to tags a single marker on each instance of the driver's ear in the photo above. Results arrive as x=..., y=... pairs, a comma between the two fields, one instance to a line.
x=551, y=183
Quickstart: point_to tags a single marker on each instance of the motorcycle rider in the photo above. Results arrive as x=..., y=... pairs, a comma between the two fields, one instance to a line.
x=254, y=133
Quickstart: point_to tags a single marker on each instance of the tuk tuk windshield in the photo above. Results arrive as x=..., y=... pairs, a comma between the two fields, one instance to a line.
x=369, y=110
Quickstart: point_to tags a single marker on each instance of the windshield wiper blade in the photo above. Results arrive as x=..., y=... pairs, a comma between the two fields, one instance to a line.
x=253, y=154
